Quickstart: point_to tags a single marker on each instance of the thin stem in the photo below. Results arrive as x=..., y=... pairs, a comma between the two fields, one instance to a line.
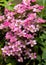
x=28, y=62
x=34, y=63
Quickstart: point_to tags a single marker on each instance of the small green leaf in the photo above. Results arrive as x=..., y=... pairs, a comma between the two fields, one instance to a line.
x=9, y=64
x=44, y=54
x=38, y=58
x=39, y=64
x=11, y=60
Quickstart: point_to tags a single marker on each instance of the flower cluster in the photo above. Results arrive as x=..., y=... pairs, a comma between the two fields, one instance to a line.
x=22, y=25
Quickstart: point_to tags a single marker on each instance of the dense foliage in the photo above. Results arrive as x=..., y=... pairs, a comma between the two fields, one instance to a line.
x=22, y=32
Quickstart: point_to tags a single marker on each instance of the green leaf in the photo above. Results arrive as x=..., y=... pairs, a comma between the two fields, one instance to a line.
x=44, y=54
x=9, y=64
x=11, y=60
x=44, y=25
x=39, y=64
x=41, y=2
x=38, y=58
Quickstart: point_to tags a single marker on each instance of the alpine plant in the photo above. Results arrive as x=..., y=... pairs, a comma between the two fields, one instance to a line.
x=22, y=24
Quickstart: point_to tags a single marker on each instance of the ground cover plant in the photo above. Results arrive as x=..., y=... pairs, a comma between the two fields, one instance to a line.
x=22, y=32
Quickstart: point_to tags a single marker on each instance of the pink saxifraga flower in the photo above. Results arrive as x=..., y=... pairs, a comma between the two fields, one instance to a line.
x=6, y=24
x=33, y=56
x=22, y=26
x=26, y=2
x=2, y=18
x=33, y=0
x=20, y=8
x=40, y=20
x=13, y=39
x=32, y=43
x=8, y=35
x=40, y=7
x=1, y=26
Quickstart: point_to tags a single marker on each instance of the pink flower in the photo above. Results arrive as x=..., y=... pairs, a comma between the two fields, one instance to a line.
x=33, y=0
x=40, y=20
x=29, y=36
x=31, y=16
x=40, y=7
x=2, y=18
x=36, y=10
x=33, y=56
x=1, y=26
x=6, y=24
x=26, y=2
x=6, y=11
x=8, y=35
x=35, y=6
x=12, y=26
x=13, y=39
x=32, y=42
x=20, y=8
x=20, y=59
x=32, y=28
x=22, y=26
